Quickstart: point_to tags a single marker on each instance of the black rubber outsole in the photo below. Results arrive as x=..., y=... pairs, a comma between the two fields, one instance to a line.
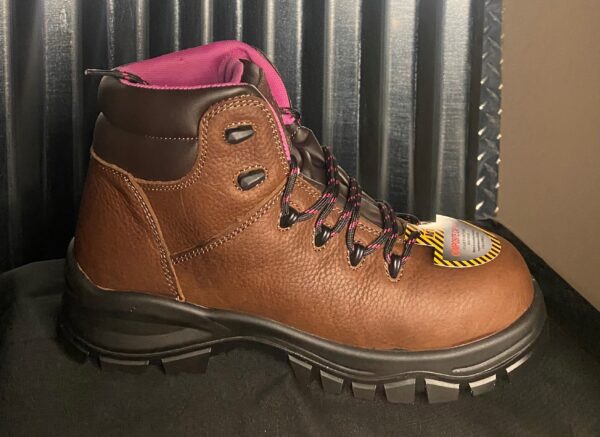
x=405, y=391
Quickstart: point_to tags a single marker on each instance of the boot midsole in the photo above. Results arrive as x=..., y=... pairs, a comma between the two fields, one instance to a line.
x=133, y=325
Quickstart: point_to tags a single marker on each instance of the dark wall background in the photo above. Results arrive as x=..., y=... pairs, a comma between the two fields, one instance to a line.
x=405, y=91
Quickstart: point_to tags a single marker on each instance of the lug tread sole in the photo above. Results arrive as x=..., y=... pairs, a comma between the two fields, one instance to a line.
x=403, y=391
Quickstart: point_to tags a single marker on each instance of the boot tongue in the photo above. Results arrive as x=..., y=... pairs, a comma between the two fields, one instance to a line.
x=275, y=95
x=254, y=75
x=305, y=147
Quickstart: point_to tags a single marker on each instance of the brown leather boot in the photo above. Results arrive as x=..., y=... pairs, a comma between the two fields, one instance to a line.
x=210, y=214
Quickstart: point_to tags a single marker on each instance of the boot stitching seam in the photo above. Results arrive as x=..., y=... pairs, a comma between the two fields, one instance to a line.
x=167, y=274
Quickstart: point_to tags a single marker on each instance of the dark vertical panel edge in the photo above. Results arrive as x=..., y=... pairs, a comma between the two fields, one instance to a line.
x=371, y=83
x=30, y=182
x=312, y=75
x=207, y=14
x=397, y=103
x=453, y=81
x=426, y=154
x=128, y=30
x=77, y=128
x=94, y=54
x=282, y=41
x=59, y=81
x=341, y=80
x=142, y=29
x=228, y=19
x=10, y=229
x=164, y=21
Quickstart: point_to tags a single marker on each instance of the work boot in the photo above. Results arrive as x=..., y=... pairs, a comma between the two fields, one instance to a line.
x=210, y=214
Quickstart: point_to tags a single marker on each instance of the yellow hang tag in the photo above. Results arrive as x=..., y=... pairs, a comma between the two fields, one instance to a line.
x=456, y=243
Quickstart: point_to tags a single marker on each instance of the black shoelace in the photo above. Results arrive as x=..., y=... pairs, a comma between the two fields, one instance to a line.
x=349, y=217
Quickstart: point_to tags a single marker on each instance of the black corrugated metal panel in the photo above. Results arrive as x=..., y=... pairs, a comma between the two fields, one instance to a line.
x=397, y=88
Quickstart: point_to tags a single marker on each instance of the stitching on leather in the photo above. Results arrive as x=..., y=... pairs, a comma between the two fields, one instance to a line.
x=250, y=167
x=186, y=256
x=152, y=137
x=232, y=103
x=236, y=124
x=167, y=273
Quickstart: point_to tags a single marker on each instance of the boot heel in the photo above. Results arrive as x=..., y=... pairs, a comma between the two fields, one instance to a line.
x=130, y=330
x=188, y=362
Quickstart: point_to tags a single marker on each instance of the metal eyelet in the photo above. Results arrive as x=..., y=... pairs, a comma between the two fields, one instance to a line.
x=237, y=134
x=251, y=178
x=286, y=221
x=394, y=266
x=321, y=237
x=357, y=254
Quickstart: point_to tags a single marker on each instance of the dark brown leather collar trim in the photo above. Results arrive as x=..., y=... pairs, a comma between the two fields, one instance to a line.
x=161, y=112
x=144, y=156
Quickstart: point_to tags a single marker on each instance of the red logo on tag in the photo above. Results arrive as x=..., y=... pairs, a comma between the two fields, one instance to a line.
x=455, y=246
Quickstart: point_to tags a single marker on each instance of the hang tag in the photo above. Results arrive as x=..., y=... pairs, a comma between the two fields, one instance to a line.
x=456, y=243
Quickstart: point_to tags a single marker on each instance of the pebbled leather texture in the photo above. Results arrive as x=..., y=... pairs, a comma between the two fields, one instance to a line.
x=228, y=251
x=279, y=274
x=118, y=242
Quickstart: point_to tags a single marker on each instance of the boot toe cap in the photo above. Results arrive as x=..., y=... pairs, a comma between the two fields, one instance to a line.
x=501, y=295
x=462, y=305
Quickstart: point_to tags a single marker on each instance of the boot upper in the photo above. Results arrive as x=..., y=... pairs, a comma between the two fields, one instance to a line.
x=164, y=212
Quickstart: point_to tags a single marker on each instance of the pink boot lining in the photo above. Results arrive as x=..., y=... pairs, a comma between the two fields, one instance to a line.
x=212, y=65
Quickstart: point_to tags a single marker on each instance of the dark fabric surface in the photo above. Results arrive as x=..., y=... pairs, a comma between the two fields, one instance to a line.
x=250, y=391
